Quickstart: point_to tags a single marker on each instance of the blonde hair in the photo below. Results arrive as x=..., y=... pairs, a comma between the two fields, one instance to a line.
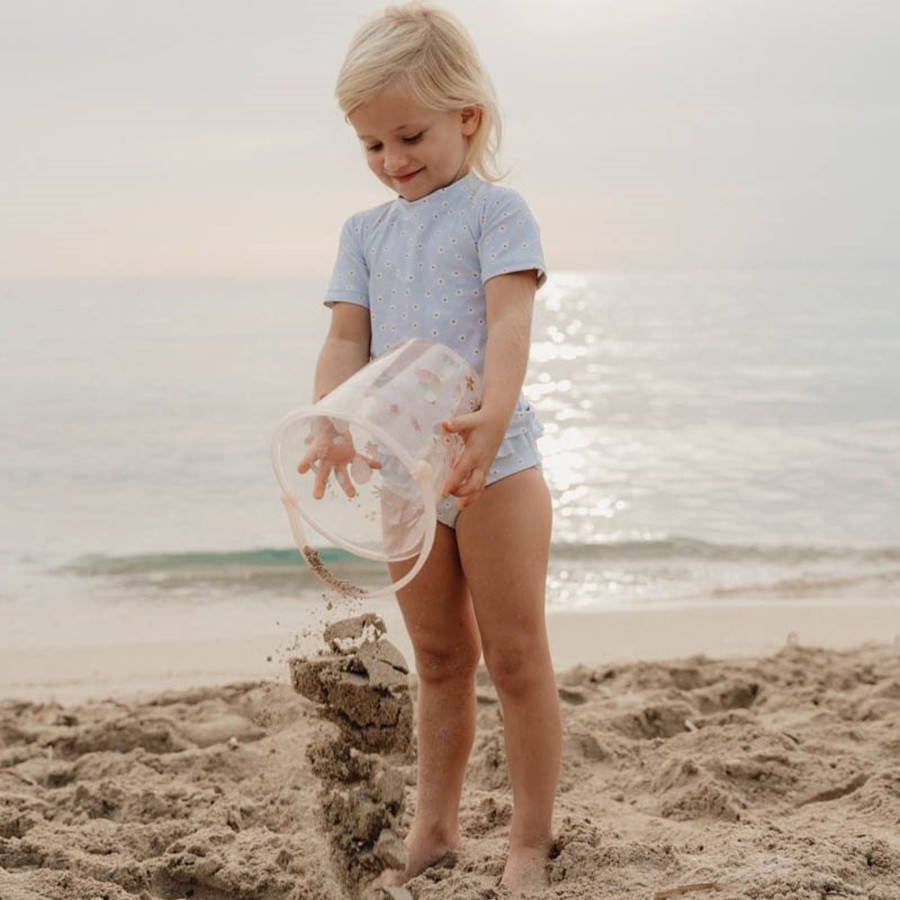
x=425, y=50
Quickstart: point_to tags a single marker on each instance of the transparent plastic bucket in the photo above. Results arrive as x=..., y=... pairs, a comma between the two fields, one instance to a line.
x=384, y=424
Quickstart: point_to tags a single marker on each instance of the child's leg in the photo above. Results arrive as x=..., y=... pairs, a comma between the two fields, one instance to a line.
x=504, y=541
x=438, y=613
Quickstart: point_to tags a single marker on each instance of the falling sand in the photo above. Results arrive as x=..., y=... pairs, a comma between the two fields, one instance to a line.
x=312, y=557
x=362, y=686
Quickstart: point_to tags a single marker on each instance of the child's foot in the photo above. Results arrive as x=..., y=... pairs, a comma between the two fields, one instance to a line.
x=418, y=859
x=526, y=871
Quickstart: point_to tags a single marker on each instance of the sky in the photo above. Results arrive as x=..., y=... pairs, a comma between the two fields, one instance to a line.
x=201, y=137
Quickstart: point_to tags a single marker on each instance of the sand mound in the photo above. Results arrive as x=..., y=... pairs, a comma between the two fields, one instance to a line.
x=362, y=686
x=774, y=779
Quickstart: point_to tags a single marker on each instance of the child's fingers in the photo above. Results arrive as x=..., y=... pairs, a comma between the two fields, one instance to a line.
x=471, y=489
x=455, y=477
x=322, y=473
x=317, y=452
x=343, y=479
x=461, y=423
x=463, y=502
x=464, y=481
x=473, y=482
x=307, y=463
x=460, y=471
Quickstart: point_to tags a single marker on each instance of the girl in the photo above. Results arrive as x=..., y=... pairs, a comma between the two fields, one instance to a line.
x=455, y=258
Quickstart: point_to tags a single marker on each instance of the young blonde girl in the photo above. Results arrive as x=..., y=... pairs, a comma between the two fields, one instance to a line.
x=455, y=258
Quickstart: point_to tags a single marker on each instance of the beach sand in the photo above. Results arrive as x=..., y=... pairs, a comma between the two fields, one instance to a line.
x=739, y=753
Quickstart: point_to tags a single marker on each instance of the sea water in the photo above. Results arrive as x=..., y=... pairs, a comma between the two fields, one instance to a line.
x=710, y=438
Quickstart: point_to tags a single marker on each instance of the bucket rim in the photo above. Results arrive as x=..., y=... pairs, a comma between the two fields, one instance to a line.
x=392, y=444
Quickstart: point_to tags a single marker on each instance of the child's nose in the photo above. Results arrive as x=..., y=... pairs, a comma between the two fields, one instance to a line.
x=395, y=160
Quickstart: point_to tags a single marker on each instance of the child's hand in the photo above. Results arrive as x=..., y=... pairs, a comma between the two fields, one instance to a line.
x=482, y=436
x=333, y=451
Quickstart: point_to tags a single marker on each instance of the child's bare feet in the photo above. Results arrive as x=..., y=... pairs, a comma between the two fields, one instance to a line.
x=421, y=854
x=526, y=871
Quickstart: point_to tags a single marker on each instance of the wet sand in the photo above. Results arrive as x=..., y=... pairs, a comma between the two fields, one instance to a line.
x=49, y=670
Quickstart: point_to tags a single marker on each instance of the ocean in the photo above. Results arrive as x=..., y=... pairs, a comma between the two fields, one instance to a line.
x=711, y=438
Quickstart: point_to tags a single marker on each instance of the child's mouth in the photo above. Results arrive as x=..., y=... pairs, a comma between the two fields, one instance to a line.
x=405, y=178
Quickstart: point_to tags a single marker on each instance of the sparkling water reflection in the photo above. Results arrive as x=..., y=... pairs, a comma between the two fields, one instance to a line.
x=709, y=438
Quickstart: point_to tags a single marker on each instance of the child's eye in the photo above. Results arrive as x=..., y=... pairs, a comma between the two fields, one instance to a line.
x=413, y=138
x=373, y=148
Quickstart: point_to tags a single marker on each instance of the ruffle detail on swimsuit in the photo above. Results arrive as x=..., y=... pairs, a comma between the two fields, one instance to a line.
x=523, y=423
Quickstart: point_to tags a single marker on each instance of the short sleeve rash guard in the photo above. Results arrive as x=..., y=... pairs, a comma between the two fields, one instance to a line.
x=420, y=267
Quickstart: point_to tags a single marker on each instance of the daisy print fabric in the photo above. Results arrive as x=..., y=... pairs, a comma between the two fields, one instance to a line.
x=420, y=267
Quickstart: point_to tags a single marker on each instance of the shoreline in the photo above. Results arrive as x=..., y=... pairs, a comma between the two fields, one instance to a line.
x=134, y=670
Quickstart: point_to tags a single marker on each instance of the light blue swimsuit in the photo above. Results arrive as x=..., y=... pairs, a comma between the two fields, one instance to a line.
x=420, y=267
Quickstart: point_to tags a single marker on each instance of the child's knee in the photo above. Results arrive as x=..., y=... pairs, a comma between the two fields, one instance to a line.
x=440, y=663
x=516, y=667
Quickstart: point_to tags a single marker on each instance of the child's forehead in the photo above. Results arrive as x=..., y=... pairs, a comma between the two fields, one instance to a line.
x=391, y=110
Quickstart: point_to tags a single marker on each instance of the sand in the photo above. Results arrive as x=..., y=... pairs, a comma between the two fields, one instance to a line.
x=361, y=684
x=766, y=777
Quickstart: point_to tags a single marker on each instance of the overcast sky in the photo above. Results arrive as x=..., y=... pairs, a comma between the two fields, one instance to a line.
x=201, y=136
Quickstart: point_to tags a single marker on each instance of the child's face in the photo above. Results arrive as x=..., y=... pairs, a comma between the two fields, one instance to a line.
x=413, y=149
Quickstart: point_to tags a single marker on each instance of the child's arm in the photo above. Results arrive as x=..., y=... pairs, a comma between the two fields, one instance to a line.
x=345, y=351
x=346, y=347
x=510, y=300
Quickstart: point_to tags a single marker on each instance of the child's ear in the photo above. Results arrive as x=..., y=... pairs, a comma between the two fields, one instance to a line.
x=471, y=119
